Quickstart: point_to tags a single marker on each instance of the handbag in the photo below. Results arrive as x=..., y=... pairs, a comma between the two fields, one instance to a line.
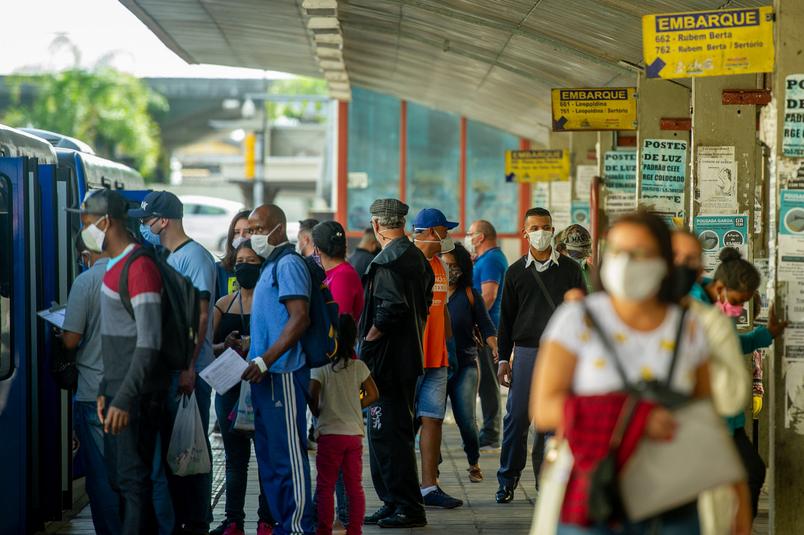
x=553, y=478
x=605, y=501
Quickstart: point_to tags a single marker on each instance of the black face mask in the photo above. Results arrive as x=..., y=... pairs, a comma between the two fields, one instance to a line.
x=247, y=275
x=683, y=278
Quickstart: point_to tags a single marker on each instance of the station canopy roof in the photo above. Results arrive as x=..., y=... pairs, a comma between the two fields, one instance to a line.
x=491, y=60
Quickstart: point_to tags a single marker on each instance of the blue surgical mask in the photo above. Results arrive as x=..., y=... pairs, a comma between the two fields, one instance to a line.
x=149, y=236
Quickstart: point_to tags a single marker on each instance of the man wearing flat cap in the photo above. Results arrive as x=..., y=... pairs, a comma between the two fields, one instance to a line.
x=398, y=293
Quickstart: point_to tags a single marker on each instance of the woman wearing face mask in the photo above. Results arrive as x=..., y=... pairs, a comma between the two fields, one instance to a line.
x=467, y=313
x=734, y=283
x=576, y=374
x=231, y=330
x=238, y=233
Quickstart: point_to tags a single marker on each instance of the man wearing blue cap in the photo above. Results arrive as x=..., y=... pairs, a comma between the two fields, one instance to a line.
x=160, y=216
x=431, y=235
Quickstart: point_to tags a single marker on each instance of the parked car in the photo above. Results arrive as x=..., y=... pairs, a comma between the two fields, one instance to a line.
x=207, y=219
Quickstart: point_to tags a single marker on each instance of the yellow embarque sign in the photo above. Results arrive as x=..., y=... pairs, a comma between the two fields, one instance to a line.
x=536, y=165
x=594, y=108
x=708, y=43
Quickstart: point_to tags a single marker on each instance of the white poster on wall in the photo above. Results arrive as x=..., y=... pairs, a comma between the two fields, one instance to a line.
x=561, y=204
x=717, y=180
x=584, y=175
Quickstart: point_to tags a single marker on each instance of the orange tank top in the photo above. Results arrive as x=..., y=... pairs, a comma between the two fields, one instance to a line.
x=435, y=341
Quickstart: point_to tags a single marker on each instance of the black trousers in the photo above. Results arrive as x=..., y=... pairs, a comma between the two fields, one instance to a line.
x=392, y=455
x=754, y=465
x=129, y=460
x=490, y=404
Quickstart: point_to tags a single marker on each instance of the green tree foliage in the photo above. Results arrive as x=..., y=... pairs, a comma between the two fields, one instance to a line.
x=302, y=111
x=110, y=110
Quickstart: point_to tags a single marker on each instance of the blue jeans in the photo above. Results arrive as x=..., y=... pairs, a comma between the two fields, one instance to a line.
x=191, y=495
x=103, y=501
x=462, y=390
x=237, y=447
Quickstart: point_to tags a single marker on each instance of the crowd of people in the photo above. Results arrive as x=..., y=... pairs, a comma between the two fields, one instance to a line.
x=421, y=320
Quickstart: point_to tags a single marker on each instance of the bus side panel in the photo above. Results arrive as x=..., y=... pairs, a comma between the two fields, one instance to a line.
x=15, y=392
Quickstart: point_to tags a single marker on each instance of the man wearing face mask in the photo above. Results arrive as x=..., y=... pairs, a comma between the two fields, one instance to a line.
x=160, y=216
x=279, y=373
x=534, y=286
x=81, y=332
x=487, y=278
x=577, y=244
x=304, y=242
x=132, y=392
x=431, y=235
x=398, y=291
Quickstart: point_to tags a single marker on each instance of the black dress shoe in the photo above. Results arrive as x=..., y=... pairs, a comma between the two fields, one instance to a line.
x=401, y=520
x=504, y=494
x=383, y=512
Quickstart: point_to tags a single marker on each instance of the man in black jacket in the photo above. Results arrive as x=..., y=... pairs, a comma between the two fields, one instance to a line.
x=534, y=285
x=398, y=291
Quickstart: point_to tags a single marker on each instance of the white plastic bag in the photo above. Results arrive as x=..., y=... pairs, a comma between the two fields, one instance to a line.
x=187, y=451
x=553, y=479
x=244, y=421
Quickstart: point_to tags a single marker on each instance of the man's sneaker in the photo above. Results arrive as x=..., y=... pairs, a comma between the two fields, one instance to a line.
x=475, y=474
x=383, y=512
x=401, y=520
x=439, y=498
x=225, y=526
x=490, y=448
x=504, y=494
x=264, y=528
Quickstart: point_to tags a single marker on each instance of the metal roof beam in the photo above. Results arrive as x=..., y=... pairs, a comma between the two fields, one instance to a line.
x=505, y=26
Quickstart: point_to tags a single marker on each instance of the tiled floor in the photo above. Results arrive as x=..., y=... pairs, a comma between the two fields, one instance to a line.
x=480, y=514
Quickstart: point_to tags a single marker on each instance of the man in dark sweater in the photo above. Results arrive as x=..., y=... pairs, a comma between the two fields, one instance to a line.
x=534, y=286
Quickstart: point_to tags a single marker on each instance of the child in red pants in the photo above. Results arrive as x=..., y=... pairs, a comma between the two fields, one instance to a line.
x=335, y=398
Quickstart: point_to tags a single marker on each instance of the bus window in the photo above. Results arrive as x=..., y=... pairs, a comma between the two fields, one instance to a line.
x=6, y=362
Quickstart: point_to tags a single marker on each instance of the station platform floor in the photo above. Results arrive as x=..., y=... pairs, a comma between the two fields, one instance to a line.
x=480, y=513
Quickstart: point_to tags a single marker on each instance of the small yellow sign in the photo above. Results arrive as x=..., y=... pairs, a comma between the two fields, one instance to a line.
x=594, y=108
x=708, y=43
x=536, y=165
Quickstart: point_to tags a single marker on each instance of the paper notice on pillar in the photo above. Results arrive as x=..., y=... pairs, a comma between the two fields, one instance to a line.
x=793, y=133
x=717, y=232
x=795, y=302
x=791, y=236
x=717, y=180
x=762, y=266
x=664, y=167
x=581, y=213
x=619, y=177
x=560, y=204
x=793, y=369
x=540, y=194
x=584, y=175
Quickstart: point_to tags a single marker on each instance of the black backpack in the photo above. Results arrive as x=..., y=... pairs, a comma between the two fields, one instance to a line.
x=181, y=310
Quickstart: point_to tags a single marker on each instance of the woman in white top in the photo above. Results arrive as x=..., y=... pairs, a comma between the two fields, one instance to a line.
x=638, y=313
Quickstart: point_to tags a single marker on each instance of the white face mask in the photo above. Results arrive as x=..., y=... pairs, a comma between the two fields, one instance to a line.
x=632, y=279
x=260, y=245
x=447, y=243
x=469, y=244
x=94, y=237
x=237, y=240
x=540, y=239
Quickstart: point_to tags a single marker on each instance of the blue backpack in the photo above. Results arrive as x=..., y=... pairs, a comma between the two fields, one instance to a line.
x=320, y=340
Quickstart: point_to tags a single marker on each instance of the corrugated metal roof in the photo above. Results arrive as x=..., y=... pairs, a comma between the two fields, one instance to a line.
x=490, y=60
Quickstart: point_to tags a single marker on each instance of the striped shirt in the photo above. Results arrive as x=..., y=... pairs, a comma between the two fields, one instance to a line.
x=131, y=345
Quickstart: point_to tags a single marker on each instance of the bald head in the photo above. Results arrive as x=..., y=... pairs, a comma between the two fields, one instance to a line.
x=687, y=250
x=269, y=219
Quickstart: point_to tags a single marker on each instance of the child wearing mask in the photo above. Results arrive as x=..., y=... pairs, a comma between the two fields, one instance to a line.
x=336, y=400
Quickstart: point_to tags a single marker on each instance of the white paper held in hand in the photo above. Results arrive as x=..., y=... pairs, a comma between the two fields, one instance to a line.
x=225, y=371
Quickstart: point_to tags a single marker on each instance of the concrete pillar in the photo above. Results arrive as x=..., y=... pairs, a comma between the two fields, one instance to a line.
x=583, y=151
x=786, y=475
x=657, y=99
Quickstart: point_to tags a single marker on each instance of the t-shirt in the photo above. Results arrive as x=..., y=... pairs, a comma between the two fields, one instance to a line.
x=195, y=262
x=227, y=282
x=339, y=407
x=645, y=355
x=490, y=267
x=435, y=341
x=83, y=317
x=131, y=346
x=269, y=315
x=346, y=288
